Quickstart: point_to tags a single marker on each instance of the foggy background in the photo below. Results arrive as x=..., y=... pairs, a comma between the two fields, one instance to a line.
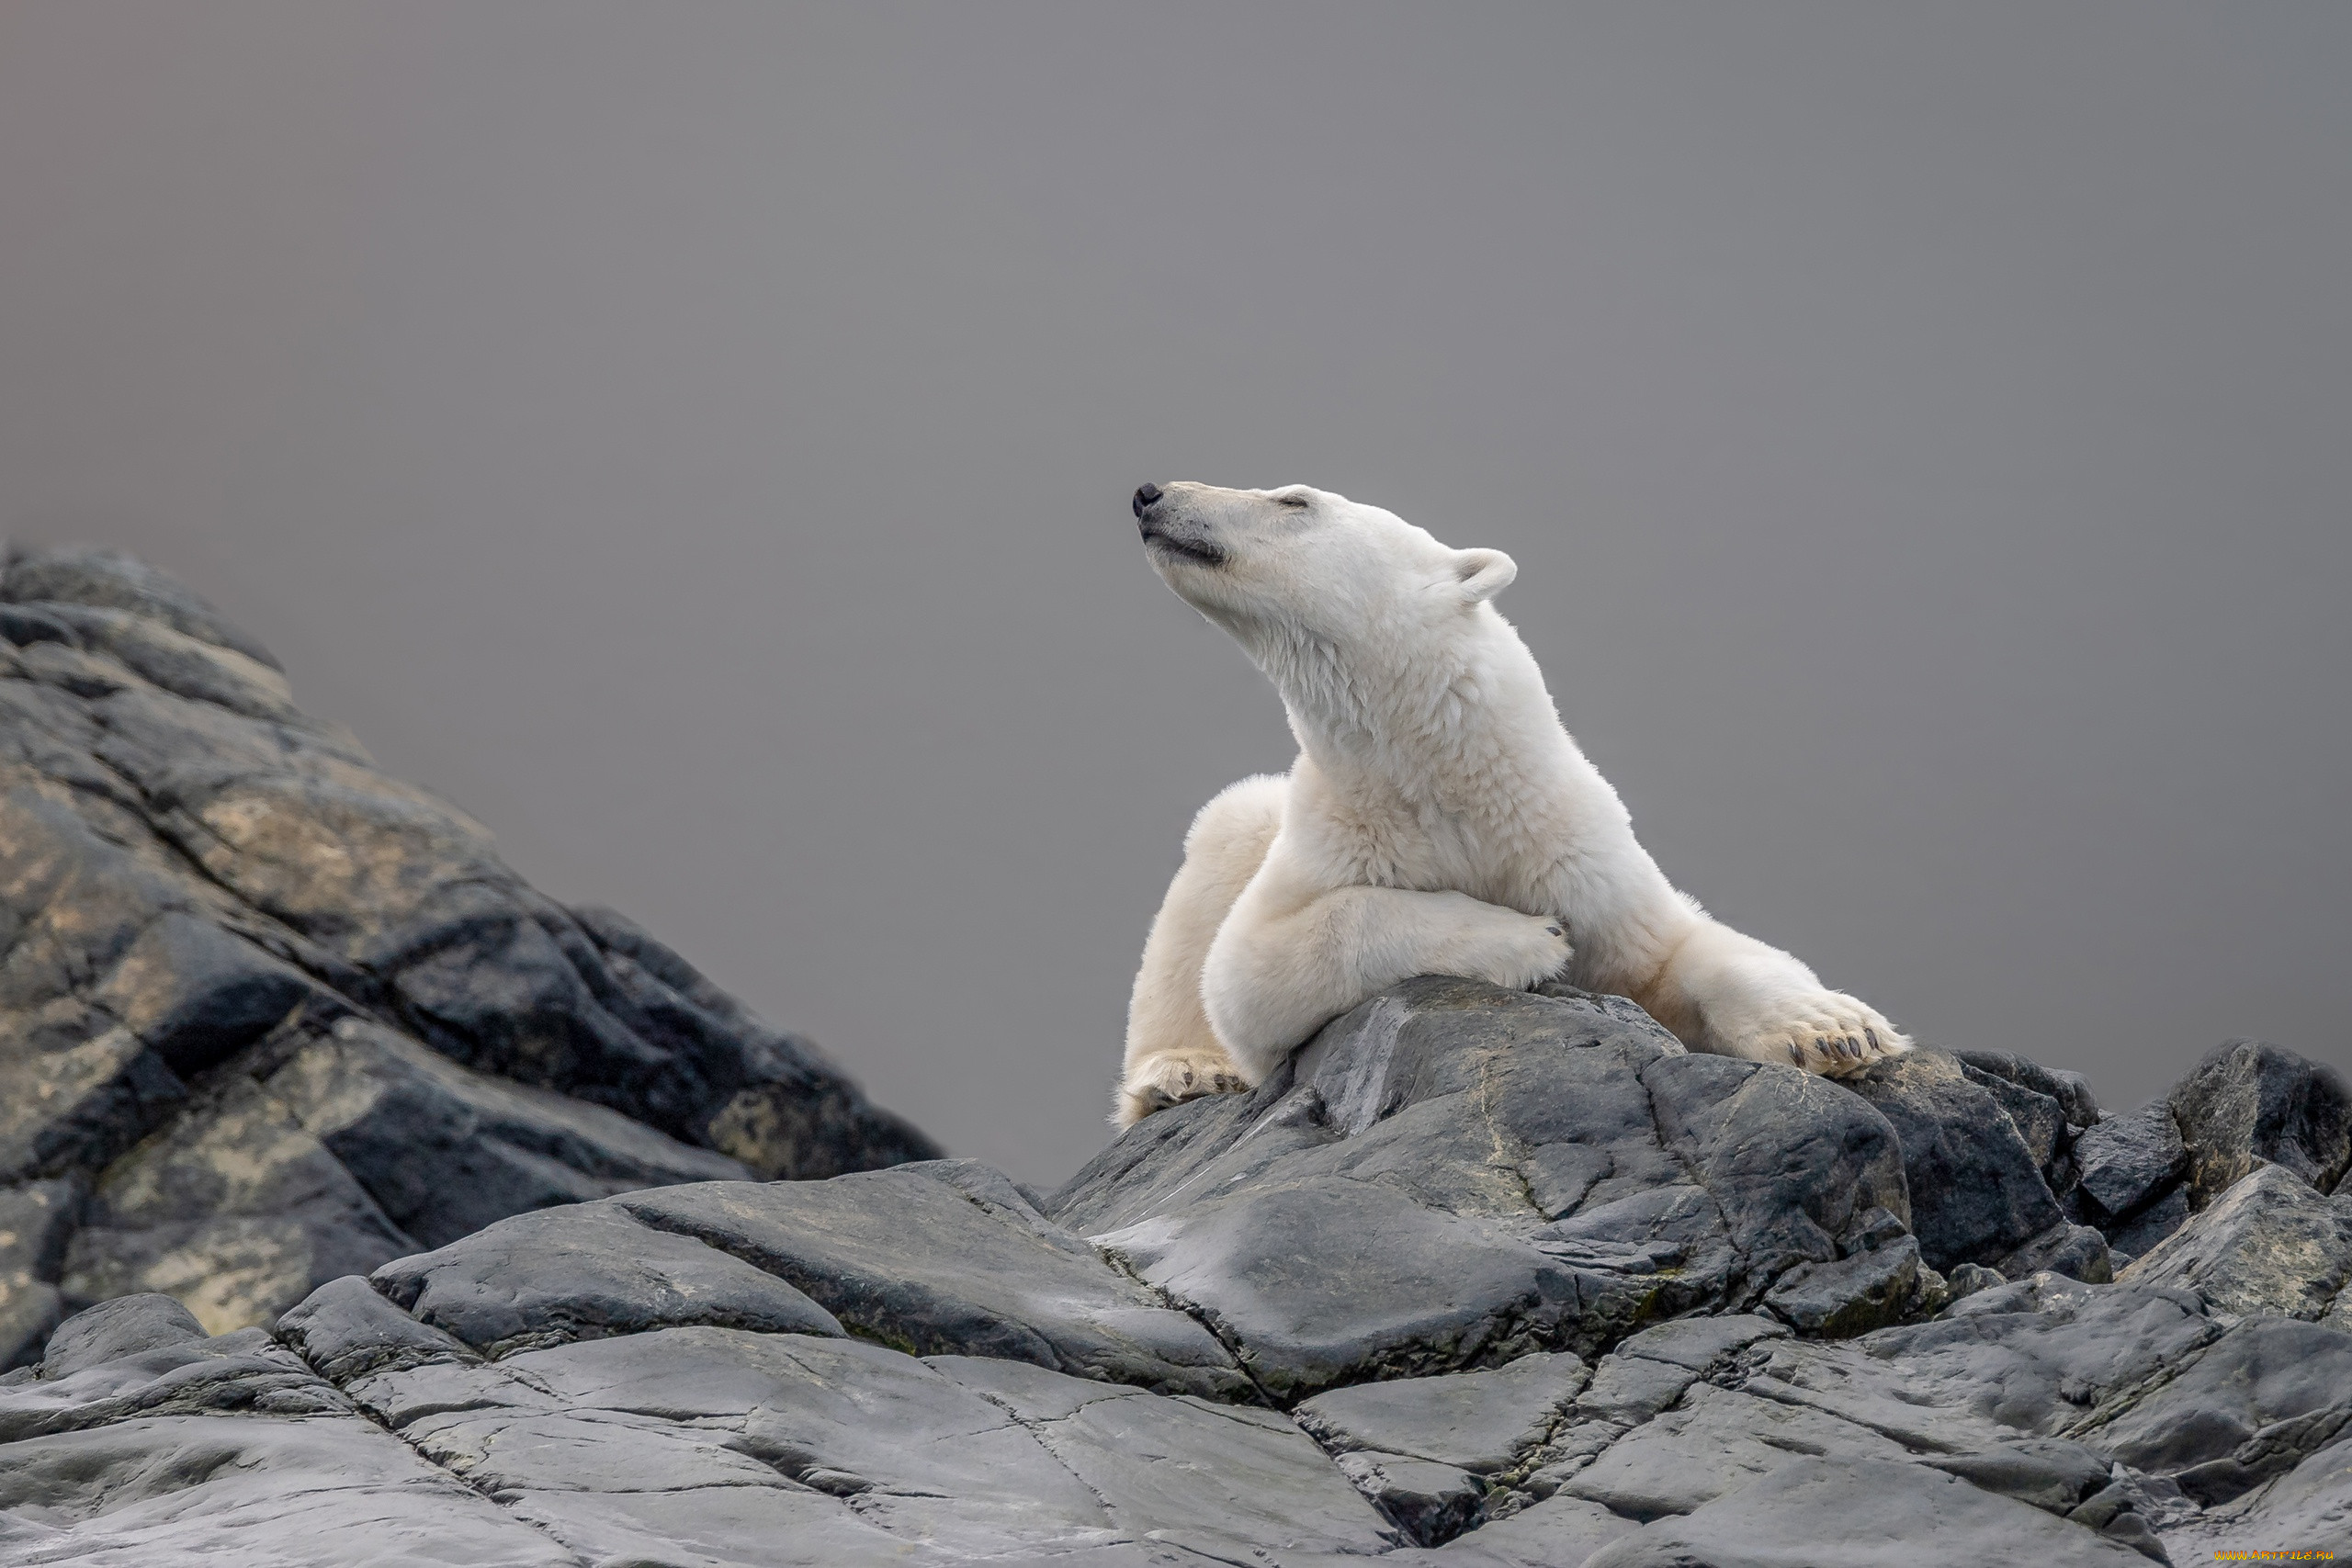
x=695, y=439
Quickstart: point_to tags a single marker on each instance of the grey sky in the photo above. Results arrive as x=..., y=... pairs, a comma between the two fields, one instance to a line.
x=696, y=438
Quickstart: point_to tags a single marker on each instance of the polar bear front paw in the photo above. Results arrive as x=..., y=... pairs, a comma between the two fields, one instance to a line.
x=1828, y=1033
x=1516, y=951
x=1171, y=1077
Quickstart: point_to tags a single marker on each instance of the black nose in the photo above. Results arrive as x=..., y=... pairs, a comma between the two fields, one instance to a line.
x=1144, y=496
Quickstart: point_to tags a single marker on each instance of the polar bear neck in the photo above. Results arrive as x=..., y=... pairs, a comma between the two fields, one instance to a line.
x=1456, y=724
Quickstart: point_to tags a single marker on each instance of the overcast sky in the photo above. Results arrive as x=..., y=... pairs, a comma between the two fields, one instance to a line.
x=695, y=439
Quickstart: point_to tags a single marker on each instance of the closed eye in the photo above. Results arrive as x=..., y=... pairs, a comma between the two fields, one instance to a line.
x=1297, y=502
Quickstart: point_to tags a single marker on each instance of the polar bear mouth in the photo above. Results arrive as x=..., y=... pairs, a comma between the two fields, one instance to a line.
x=1198, y=551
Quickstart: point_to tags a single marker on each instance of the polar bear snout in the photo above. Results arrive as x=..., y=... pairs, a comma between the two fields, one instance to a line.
x=1169, y=530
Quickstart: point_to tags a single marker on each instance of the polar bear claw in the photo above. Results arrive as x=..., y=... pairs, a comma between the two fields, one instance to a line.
x=1828, y=1033
x=1171, y=1077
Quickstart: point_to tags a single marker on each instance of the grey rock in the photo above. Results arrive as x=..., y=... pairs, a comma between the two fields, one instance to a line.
x=1431, y=1502
x=1715, y=1441
x=2071, y=1091
x=1459, y=1293
x=1218, y=1479
x=950, y=1258
x=180, y=1491
x=332, y=1151
x=114, y=1329
x=1478, y=1174
x=2035, y=1112
x=1849, y=1513
x=36, y=1220
x=1967, y=1279
x=1699, y=1345
x=443, y=1152
x=1800, y=1170
x=2261, y=1399
x=2074, y=1094
x=345, y=1330
x=1481, y=1422
x=2311, y=1504
x=273, y=1021
x=185, y=666
x=1977, y=1193
x=273, y=1016
x=174, y=1373
x=583, y=1272
x=662, y=1375
x=2040, y=1357
x=2249, y=1101
x=2269, y=1245
x=2079, y=1252
x=2129, y=1162
x=751, y=1445
x=234, y=1208
x=78, y=575
x=1850, y=1295
x=2053, y=1474
x=2138, y=1234
x=2133, y=1508
x=1653, y=1370
x=1561, y=1529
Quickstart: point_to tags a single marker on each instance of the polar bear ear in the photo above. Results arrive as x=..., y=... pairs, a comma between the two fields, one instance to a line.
x=1482, y=574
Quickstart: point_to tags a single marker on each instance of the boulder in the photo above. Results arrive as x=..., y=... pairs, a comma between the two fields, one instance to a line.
x=268, y=1015
x=2250, y=1101
x=111, y=1330
x=1850, y=1295
x=1979, y=1191
x=2270, y=1244
x=2071, y=1091
x=2079, y=1252
x=2126, y=1170
x=1453, y=1176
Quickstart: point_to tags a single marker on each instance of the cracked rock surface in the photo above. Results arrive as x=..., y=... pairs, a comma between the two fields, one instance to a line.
x=269, y=1016
x=1483, y=1279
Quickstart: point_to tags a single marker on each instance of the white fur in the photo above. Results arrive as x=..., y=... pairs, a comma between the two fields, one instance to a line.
x=1439, y=820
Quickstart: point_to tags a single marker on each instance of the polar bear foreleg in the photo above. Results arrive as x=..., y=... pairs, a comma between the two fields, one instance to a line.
x=1731, y=995
x=1287, y=961
x=1172, y=1054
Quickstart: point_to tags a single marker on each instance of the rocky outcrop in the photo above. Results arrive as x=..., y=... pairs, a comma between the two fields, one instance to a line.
x=422, y=1222
x=1500, y=1172
x=268, y=1017
x=1480, y=1280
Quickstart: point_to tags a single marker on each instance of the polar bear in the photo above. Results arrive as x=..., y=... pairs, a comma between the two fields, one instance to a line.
x=1438, y=821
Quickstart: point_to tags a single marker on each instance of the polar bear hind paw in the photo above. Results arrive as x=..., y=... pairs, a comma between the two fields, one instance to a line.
x=1171, y=1077
x=1831, y=1033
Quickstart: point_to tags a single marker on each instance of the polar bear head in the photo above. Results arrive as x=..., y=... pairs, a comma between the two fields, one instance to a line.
x=1286, y=568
